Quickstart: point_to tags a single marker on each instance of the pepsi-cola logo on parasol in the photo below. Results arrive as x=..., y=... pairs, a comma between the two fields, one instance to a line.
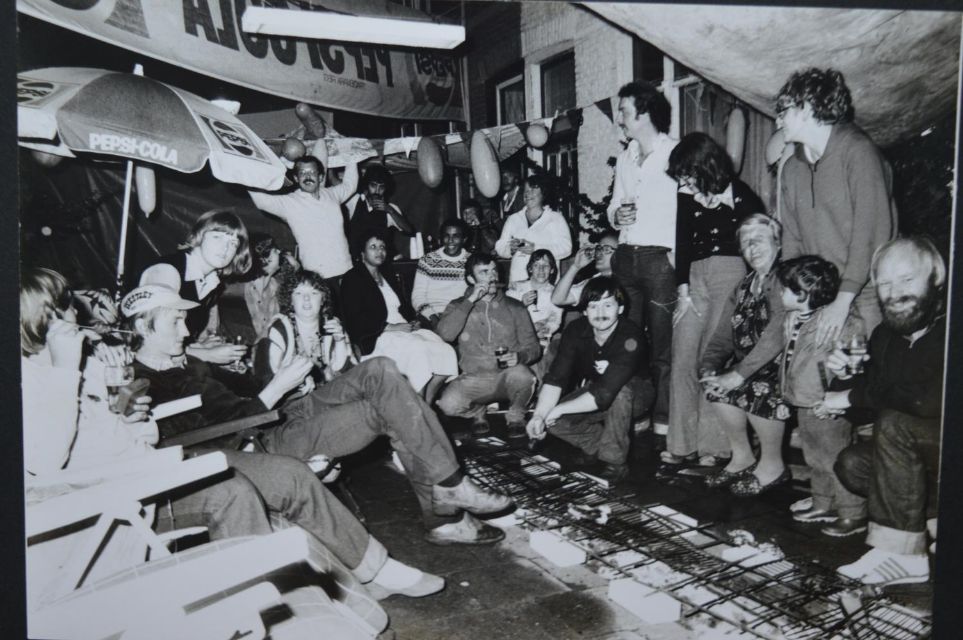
x=30, y=91
x=233, y=139
x=133, y=146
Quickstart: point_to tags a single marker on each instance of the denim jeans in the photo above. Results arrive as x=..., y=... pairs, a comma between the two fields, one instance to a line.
x=822, y=442
x=370, y=400
x=649, y=280
x=601, y=433
x=288, y=488
x=693, y=425
x=898, y=471
x=467, y=395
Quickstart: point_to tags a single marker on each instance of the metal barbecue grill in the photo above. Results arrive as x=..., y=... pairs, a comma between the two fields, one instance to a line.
x=765, y=594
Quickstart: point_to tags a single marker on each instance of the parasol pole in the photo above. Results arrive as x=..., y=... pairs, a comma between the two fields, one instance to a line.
x=122, y=251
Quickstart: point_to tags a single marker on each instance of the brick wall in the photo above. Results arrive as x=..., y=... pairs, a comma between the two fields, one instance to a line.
x=603, y=63
x=494, y=46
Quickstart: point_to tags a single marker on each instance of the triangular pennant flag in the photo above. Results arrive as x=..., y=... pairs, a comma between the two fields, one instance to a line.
x=605, y=106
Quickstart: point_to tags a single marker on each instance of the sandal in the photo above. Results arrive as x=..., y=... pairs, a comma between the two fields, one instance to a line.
x=667, y=457
x=722, y=478
x=750, y=485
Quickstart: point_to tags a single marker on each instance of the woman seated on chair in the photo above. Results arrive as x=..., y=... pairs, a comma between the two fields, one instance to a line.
x=306, y=326
x=381, y=322
x=536, y=294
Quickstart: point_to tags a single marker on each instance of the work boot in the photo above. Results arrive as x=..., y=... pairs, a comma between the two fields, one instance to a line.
x=447, y=501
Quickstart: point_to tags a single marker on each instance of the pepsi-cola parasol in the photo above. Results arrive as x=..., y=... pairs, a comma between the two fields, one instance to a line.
x=65, y=111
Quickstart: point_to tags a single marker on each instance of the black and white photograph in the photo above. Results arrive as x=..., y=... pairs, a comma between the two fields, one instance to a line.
x=483, y=320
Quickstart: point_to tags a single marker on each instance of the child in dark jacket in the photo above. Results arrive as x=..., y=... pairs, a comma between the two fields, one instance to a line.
x=809, y=283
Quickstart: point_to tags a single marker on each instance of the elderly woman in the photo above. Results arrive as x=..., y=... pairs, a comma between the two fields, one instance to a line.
x=536, y=294
x=381, y=322
x=740, y=367
x=712, y=203
x=537, y=226
x=216, y=247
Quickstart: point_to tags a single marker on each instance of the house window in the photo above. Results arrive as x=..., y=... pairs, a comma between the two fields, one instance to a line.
x=510, y=100
x=558, y=84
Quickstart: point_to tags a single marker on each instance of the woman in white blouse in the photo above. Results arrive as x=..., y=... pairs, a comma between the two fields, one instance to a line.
x=537, y=226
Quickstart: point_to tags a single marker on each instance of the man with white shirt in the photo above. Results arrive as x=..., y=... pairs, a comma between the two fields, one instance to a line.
x=643, y=210
x=314, y=214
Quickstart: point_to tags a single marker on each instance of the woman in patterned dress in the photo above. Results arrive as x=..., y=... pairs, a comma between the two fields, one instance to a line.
x=740, y=367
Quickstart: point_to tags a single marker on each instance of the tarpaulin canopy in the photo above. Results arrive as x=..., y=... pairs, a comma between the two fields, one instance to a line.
x=901, y=66
x=205, y=36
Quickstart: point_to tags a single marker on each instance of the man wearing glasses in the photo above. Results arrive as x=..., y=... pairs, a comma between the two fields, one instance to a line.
x=837, y=191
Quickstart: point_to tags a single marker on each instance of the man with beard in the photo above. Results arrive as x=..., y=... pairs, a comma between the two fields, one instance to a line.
x=903, y=382
x=601, y=352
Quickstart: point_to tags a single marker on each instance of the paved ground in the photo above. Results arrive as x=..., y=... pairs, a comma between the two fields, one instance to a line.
x=508, y=591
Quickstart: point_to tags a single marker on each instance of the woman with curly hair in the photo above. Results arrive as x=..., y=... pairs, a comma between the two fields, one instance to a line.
x=306, y=326
x=740, y=366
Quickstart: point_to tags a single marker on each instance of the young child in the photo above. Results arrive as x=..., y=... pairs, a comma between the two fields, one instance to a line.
x=810, y=283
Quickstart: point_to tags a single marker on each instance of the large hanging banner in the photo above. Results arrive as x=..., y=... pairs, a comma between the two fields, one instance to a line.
x=205, y=36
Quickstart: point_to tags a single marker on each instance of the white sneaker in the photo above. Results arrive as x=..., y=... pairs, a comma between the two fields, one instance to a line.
x=801, y=505
x=883, y=568
x=398, y=578
x=660, y=428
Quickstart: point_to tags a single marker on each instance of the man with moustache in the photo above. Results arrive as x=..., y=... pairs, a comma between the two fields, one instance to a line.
x=903, y=382
x=643, y=210
x=314, y=214
x=600, y=352
x=496, y=342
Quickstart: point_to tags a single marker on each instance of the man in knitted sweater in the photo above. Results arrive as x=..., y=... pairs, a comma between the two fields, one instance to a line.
x=836, y=191
x=440, y=277
x=496, y=343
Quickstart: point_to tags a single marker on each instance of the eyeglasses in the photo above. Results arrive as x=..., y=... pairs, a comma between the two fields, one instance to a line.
x=604, y=249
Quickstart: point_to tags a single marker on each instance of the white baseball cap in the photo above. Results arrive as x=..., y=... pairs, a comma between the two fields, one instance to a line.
x=151, y=296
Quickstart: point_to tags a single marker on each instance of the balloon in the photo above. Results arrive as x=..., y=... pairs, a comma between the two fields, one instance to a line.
x=146, y=182
x=46, y=160
x=537, y=135
x=293, y=149
x=314, y=123
x=430, y=163
x=775, y=146
x=736, y=137
x=319, y=149
x=484, y=165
